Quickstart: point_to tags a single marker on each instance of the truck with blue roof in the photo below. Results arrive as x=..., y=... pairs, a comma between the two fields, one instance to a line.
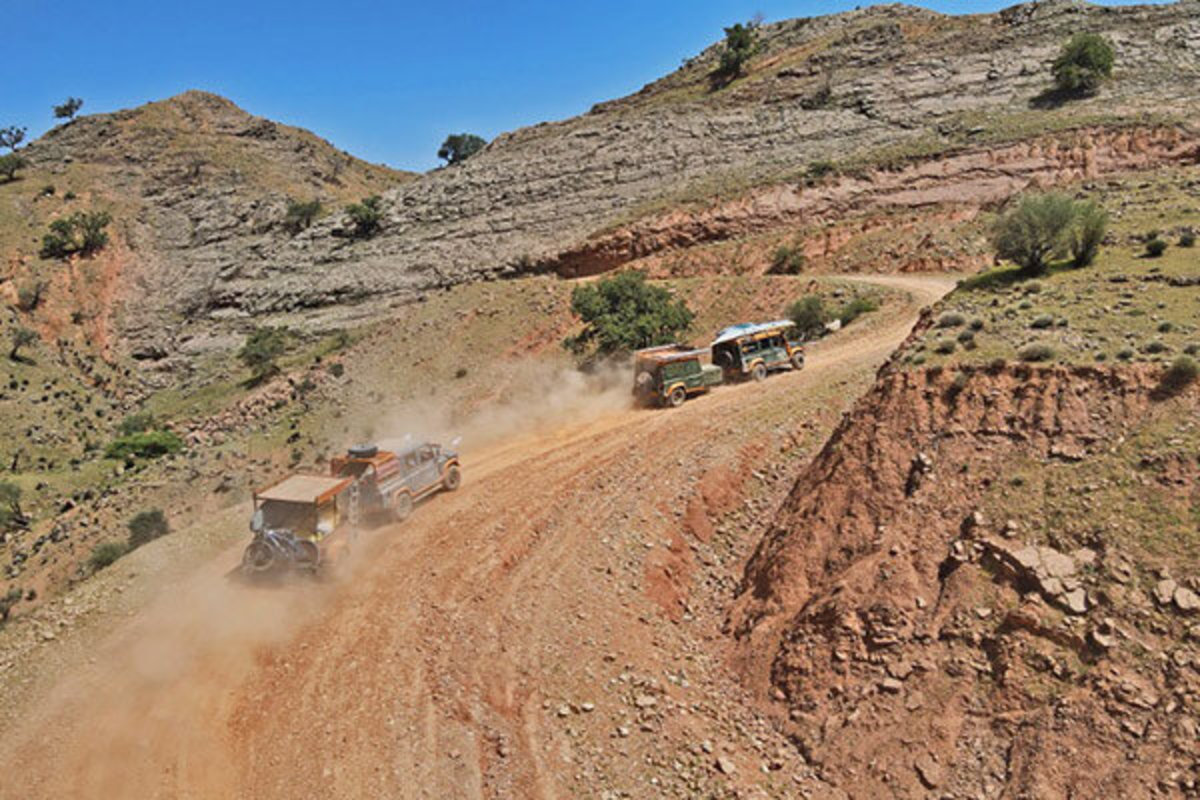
x=754, y=349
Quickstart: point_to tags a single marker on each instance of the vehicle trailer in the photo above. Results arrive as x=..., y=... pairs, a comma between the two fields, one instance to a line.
x=751, y=350
x=670, y=374
x=309, y=521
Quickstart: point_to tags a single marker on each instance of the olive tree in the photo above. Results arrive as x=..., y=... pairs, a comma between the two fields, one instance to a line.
x=459, y=147
x=68, y=109
x=625, y=313
x=1086, y=61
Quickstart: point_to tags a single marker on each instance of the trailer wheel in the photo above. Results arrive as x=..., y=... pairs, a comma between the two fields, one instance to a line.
x=258, y=558
x=797, y=360
x=677, y=396
x=402, y=506
x=453, y=478
x=759, y=373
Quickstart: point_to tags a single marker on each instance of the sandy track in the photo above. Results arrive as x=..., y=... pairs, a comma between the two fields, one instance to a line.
x=427, y=671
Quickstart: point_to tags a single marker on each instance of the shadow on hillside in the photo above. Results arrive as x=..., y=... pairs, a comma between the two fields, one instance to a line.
x=1056, y=98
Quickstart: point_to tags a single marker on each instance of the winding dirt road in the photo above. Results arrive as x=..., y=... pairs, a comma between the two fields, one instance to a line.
x=549, y=630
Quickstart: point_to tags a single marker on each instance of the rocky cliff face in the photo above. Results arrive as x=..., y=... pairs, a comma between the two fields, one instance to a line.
x=867, y=87
x=980, y=587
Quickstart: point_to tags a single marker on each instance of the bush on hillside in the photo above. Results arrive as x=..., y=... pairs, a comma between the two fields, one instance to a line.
x=366, y=216
x=458, y=147
x=624, y=313
x=262, y=350
x=81, y=233
x=951, y=319
x=1086, y=233
x=741, y=45
x=12, y=136
x=856, y=308
x=9, y=164
x=10, y=599
x=21, y=338
x=1155, y=247
x=1036, y=352
x=1086, y=61
x=105, y=554
x=1187, y=239
x=149, y=444
x=787, y=260
x=146, y=526
x=300, y=214
x=809, y=315
x=29, y=295
x=1181, y=374
x=68, y=109
x=1046, y=226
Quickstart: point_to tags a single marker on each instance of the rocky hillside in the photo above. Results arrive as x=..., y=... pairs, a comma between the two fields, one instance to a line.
x=996, y=551
x=822, y=116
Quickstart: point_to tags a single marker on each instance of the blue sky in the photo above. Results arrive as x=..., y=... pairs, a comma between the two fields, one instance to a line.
x=384, y=80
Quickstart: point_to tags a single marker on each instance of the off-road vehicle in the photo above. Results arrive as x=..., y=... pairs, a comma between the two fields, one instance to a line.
x=753, y=349
x=670, y=374
x=308, y=521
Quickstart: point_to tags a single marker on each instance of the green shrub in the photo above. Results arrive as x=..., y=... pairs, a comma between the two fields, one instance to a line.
x=1155, y=347
x=459, y=147
x=624, y=313
x=950, y=319
x=105, y=554
x=300, y=214
x=1181, y=374
x=29, y=295
x=82, y=232
x=945, y=346
x=12, y=136
x=68, y=109
x=149, y=444
x=1035, y=231
x=787, y=260
x=976, y=325
x=1086, y=233
x=1125, y=354
x=1165, y=327
x=9, y=164
x=367, y=216
x=966, y=339
x=1042, y=322
x=139, y=422
x=856, y=308
x=1187, y=239
x=741, y=45
x=261, y=350
x=820, y=169
x=1155, y=247
x=21, y=337
x=1192, y=349
x=1086, y=61
x=810, y=316
x=146, y=526
x=1036, y=352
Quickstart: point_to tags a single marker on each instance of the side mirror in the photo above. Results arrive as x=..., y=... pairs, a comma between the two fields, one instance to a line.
x=257, y=521
x=324, y=527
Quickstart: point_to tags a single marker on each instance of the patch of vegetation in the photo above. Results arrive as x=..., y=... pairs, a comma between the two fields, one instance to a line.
x=810, y=316
x=139, y=422
x=9, y=164
x=80, y=233
x=1046, y=226
x=148, y=444
x=29, y=295
x=12, y=136
x=950, y=319
x=945, y=347
x=1084, y=64
x=300, y=214
x=11, y=514
x=146, y=526
x=261, y=351
x=68, y=109
x=20, y=337
x=106, y=554
x=1036, y=352
x=787, y=260
x=1187, y=239
x=1155, y=247
x=458, y=147
x=741, y=45
x=366, y=216
x=856, y=308
x=624, y=313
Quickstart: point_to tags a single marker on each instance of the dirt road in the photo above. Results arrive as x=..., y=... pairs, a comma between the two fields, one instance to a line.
x=549, y=630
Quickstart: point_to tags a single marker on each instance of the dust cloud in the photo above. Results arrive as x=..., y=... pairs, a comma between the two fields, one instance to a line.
x=535, y=397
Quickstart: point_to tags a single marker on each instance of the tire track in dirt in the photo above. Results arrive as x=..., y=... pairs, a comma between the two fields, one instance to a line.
x=429, y=670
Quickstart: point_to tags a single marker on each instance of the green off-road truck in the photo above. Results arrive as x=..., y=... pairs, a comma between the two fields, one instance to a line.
x=753, y=349
x=670, y=374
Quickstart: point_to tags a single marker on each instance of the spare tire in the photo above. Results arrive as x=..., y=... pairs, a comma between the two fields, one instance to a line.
x=364, y=451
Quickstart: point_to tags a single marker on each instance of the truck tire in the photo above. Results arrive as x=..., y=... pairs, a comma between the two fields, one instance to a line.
x=453, y=478
x=677, y=396
x=798, y=361
x=759, y=372
x=402, y=506
x=258, y=557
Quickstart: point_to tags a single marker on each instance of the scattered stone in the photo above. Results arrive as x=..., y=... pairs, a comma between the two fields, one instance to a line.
x=1164, y=591
x=1186, y=600
x=891, y=685
x=645, y=701
x=726, y=765
x=929, y=771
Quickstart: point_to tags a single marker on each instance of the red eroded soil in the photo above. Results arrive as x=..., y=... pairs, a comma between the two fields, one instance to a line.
x=551, y=629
